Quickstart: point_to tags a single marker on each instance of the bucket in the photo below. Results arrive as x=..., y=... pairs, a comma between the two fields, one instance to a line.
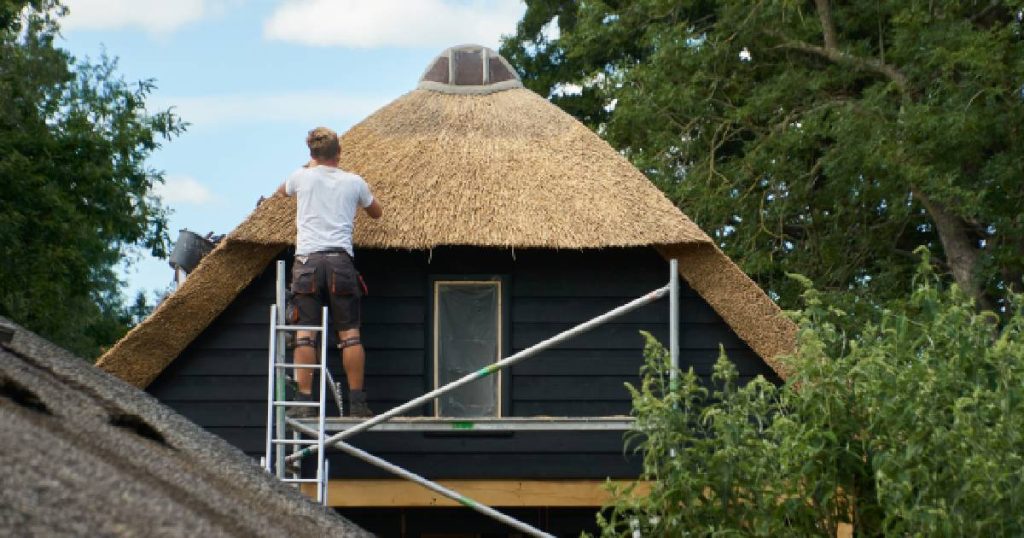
x=188, y=250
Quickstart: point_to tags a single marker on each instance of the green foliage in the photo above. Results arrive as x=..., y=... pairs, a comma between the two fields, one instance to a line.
x=75, y=193
x=915, y=427
x=813, y=157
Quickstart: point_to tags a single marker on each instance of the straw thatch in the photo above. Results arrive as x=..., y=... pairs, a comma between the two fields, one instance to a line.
x=148, y=348
x=84, y=454
x=499, y=169
x=507, y=169
x=742, y=304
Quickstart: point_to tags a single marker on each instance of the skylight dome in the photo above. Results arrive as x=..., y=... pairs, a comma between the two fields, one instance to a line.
x=469, y=69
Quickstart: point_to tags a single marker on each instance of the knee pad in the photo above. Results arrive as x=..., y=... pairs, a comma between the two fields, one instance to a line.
x=349, y=342
x=305, y=341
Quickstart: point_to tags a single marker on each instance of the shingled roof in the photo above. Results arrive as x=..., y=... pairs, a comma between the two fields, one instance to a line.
x=471, y=158
x=85, y=454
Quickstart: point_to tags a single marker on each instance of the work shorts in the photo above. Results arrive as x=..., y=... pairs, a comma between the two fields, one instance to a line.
x=326, y=278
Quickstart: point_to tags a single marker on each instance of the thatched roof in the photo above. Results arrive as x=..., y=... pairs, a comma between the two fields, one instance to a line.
x=85, y=454
x=506, y=169
x=742, y=304
x=495, y=168
x=149, y=347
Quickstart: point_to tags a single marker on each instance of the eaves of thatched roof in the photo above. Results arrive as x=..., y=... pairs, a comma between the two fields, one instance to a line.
x=492, y=168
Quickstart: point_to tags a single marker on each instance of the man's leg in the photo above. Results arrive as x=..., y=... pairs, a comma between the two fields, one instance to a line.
x=346, y=310
x=353, y=357
x=305, y=353
x=305, y=310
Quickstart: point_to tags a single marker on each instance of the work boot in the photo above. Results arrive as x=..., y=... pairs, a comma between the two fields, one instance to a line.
x=357, y=404
x=293, y=394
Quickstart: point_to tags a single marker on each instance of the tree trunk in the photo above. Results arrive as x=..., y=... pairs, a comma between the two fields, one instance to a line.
x=828, y=27
x=961, y=254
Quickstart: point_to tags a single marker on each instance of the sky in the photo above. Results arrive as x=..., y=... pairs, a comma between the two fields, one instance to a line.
x=253, y=76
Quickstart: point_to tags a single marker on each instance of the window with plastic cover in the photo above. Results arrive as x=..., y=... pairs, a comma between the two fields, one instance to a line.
x=467, y=337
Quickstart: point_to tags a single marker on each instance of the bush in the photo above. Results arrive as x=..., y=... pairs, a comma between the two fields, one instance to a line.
x=915, y=426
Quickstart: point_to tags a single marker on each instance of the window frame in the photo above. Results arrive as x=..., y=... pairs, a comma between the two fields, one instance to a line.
x=504, y=378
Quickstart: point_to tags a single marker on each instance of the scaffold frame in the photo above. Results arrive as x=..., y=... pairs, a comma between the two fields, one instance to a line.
x=343, y=429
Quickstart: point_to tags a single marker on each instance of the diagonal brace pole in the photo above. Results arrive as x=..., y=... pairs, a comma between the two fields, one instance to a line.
x=429, y=484
x=487, y=370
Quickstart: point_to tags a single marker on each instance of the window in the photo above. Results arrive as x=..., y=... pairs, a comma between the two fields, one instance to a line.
x=468, y=336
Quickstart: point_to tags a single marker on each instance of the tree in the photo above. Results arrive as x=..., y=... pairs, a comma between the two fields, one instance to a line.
x=819, y=138
x=75, y=192
x=915, y=427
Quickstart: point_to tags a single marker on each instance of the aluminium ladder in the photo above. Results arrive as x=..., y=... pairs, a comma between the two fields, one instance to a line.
x=277, y=405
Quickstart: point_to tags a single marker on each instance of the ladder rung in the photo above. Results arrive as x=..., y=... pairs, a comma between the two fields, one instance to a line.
x=297, y=404
x=288, y=365
x=299, y=328
x=300, y=480
x=294, y=441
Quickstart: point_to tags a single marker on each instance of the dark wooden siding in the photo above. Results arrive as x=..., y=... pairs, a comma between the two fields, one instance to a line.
x=568, y=522
x=219, y=380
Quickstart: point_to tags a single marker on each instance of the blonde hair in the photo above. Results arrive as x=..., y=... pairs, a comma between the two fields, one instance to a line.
x=323, y=144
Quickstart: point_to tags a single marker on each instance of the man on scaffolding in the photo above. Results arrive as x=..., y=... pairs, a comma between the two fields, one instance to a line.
x=327, y=201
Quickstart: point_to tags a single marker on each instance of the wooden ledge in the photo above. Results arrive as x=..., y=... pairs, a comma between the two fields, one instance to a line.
x=384, y=493
x=516, y=424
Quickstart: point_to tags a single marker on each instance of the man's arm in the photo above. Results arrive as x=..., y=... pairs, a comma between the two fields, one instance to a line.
x=374, y=210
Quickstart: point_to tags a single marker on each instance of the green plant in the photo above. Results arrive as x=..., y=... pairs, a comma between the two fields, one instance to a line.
x=76, y=192
x=912, y=427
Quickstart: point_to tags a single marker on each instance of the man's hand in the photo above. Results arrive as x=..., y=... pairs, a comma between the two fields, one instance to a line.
x=279, y=192
x=374, y=210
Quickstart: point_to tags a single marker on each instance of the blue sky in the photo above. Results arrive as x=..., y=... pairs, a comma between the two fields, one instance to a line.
x=252, y=76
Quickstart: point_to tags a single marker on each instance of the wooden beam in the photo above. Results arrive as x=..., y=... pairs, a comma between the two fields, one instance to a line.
x=391, y=493
x=509, y=493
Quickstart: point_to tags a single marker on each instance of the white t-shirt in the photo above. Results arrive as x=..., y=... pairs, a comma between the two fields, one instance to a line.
x=328, y=199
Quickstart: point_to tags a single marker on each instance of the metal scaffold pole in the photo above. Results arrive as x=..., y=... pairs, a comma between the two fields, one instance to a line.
x=272, y=353
x=431, y=485
x=673, y=330
x=279, y=357
x=487, y=370
x=321, y=476
x=673, y=323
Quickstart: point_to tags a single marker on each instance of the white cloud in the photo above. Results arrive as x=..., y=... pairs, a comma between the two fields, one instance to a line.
x=393, y=23
x=159, y=17
x=320, y=107
x=178, y=189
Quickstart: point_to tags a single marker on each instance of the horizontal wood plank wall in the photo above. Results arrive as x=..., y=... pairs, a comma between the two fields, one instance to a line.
x=220, y=379
x=553, y=292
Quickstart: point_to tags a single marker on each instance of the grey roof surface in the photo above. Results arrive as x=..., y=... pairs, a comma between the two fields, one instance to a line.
x=84, y=454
